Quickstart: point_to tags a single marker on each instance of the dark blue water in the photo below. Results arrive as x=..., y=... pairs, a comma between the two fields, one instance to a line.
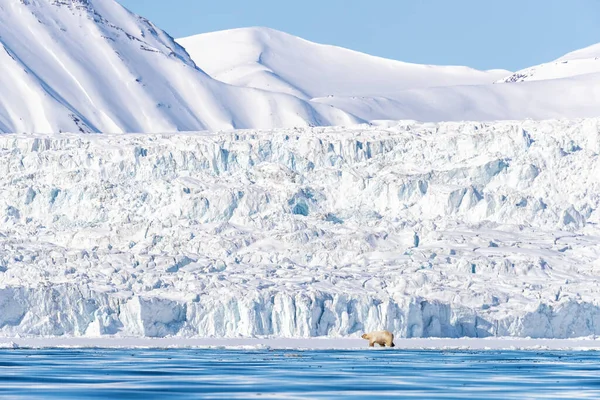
x=146, y=374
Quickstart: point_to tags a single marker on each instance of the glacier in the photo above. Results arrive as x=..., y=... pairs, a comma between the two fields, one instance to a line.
x=455, y=229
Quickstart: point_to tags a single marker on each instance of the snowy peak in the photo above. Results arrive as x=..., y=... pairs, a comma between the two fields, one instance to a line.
x=272, y=60
x=580, y=62
x=93, y=66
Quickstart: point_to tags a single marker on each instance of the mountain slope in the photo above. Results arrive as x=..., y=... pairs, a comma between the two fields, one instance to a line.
x=579, y=62
x=272, y=60
x=93, y=66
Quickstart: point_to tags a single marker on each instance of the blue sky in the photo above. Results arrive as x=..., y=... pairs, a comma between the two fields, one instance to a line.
x=510, y=34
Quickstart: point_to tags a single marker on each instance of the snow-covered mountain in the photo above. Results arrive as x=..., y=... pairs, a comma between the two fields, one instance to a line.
x=91, y=65
x=273, y=60
x=373, y=88
x=580, y=62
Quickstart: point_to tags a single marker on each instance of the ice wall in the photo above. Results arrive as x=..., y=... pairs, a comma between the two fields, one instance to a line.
x=453, y=229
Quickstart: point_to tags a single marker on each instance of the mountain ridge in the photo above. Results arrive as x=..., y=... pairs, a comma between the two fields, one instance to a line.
x=266, y=58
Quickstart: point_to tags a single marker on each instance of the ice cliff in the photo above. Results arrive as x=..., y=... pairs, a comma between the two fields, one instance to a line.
x=450, y=229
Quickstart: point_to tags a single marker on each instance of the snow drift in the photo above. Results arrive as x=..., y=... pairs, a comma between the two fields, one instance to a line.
x=452, y=229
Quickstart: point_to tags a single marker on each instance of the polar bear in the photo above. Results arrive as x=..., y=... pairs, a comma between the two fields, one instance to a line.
x=382, y=338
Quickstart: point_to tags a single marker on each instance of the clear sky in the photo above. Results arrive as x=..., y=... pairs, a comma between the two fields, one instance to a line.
x=485, y=34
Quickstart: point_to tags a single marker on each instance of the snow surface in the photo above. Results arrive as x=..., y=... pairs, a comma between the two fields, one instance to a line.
x=592, y=51
x=575, y=97
x=428, y=230
x=580, y=62
x=93, y=66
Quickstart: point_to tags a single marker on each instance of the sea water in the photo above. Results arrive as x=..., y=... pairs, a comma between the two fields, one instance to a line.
x=264, y=373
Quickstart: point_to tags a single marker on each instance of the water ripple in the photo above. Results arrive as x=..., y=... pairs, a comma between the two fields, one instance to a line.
x=218, y=373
